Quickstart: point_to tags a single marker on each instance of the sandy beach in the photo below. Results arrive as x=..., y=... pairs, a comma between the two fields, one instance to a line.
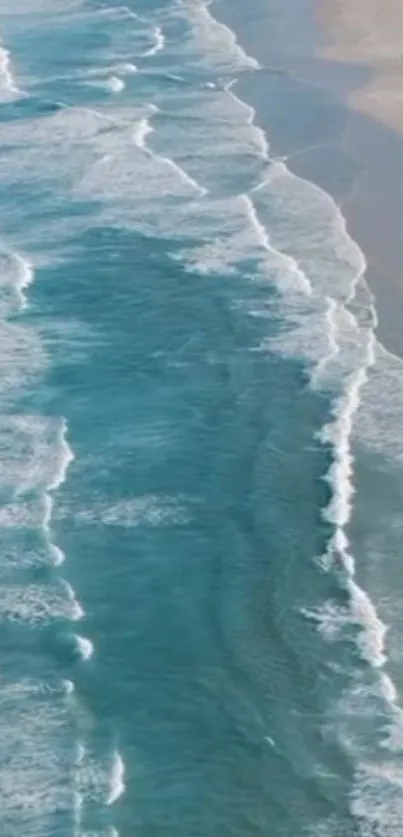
x=336, y=67
x=369, y=33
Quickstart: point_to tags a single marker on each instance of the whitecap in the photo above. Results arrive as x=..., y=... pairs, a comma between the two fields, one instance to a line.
x=8, y=86
x=84, y=646
x=141, y=133
x=214, y=43
x=158, y=45
x=143, y=129
x=126, y=68
x=113, y=83
x=117, y=784
x=16, y=274
x=34, y=451
x=77, y=611
x=57, y=554
x=65, y=457
x=68, y=686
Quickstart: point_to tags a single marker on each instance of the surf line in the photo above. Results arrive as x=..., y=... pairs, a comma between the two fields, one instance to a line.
x=83, y=645
x=142, y=130
x=338, y=433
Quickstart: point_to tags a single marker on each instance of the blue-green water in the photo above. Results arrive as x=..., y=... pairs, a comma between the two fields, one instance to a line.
x=189, y=364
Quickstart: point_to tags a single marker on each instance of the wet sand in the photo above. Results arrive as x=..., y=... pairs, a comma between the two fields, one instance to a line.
x=315, y=100
x=369, y=33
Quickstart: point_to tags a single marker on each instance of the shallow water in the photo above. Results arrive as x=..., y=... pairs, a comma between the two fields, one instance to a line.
x=189, y=367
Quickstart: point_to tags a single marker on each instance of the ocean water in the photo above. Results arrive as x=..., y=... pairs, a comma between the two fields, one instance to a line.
x=201, y=457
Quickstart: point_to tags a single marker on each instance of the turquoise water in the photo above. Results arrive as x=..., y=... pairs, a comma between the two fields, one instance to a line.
x=191, y=594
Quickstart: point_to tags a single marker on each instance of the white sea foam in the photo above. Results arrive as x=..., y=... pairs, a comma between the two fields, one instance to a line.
x=293, y=233
x=22, y=359
x=232, y=234
x=110, y=163
x=221, y=148
x=47, y=504
x=126, y=68
x=305, y=222
x=21, y=515
x=98, y=783
x=16, y=274
x=290, y=267
x=35, y=733
x=158, y=45
x=332, y=317
x=212, y=42
x=116, y=782
x=305, y=225
x=141, y=133
x=34, y=771
x=57, y=555
x=65, y=457
x=144, y=131
x=25, y=277
x=306, y=247
x=316, y=238
x=338, y=433
x=34, y=604
x=94, y=76
x=371, y=640
x=262, y=140
x=377, y=800
x=331, y=618
x=69, y=687
x=34, y=453
x=77, y=611
x=149, y=509
x=17, y=555
x=344, y=367
x=84, y=646
x=8, y=85
x=77, y=796
x=113, y=83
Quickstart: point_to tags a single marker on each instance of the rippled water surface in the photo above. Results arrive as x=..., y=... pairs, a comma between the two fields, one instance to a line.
x=200, y=452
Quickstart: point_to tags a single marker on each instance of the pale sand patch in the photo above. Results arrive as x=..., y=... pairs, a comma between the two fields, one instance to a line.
x=369, y=33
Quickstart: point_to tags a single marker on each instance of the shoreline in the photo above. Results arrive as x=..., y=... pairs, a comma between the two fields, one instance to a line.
x=304, y=101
